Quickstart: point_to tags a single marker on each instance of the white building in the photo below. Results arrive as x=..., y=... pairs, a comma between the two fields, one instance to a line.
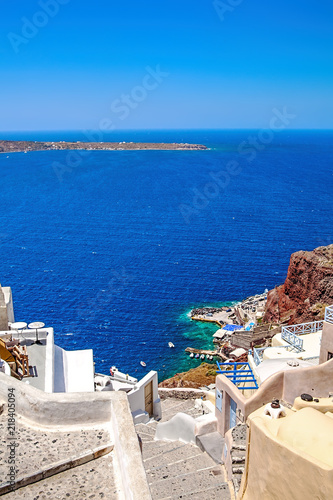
x=30, y=355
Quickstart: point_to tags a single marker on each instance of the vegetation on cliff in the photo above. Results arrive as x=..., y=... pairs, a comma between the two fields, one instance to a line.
x=195, y=378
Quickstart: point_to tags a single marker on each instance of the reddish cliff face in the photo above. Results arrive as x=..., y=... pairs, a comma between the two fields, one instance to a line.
x=307, y=290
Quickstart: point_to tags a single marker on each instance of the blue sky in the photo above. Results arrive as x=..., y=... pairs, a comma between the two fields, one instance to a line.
x=77, y=64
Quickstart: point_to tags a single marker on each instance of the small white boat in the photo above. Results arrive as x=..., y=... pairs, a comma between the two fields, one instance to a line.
x=202, y=356
x=142, y=363
x=170, y=344
x=197, y=356
x=211, y=357
x=192, y=355
x=207, y=356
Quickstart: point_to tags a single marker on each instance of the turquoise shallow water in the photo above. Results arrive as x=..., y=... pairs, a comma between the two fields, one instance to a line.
x=195, y=334
x=107, y=257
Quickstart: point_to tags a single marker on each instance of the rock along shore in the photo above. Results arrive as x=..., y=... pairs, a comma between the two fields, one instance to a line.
x=26, y=146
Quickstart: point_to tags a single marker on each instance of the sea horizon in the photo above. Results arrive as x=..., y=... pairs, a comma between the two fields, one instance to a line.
x=118, y=249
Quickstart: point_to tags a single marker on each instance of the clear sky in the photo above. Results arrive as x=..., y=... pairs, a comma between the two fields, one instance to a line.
x=74, y=64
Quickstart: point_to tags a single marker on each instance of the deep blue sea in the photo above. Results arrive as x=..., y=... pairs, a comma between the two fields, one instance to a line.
x=113, y=249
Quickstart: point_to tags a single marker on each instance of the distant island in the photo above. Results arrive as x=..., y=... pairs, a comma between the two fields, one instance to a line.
x=26, y=146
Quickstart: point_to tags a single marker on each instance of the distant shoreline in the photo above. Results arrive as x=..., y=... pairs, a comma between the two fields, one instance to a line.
x=27, y=146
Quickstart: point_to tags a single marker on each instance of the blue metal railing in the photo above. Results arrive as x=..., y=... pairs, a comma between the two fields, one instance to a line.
x=238, y=376
x=329, y=314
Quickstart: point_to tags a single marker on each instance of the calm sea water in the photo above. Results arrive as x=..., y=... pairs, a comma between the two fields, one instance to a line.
x=113, y=249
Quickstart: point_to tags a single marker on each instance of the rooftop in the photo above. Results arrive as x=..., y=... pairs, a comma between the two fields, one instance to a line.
x=41, y=449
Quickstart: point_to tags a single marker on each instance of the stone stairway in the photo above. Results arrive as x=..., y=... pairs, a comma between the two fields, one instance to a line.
x=238, y=464
x=178, y=470
x=213, y=444
x=238, y=453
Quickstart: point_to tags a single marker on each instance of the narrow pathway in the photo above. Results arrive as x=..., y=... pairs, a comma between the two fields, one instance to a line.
x=178, y=470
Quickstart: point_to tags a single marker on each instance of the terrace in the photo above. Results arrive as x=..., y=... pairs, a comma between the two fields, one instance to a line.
x=49, y=367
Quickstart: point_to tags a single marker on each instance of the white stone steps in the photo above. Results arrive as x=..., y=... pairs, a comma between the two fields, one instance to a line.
x=145, y=433
x=221, y=492
x=188, y=483
x=167, y=467
x=238, y=470
x=178, y=470
x=178, y=450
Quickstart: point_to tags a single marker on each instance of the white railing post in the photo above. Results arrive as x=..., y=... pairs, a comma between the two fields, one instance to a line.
x=329, y=314
x=256, y=357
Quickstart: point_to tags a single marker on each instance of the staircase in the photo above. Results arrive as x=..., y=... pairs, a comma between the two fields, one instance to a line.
x=238, y=465
x=178, y=470
x=238, y=453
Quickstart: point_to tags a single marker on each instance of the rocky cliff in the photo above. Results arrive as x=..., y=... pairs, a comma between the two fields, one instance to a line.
x=308, y=288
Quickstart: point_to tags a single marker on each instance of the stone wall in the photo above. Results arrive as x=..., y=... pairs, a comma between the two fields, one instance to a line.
x=247, y=339
x=165, y=393
x=63, y=409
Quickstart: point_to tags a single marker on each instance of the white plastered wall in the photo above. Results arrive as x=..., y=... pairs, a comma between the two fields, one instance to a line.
x=9, y=303
x=136, y=396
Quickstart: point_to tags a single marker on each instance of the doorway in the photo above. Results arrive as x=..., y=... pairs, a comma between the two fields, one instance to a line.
x=149, y=398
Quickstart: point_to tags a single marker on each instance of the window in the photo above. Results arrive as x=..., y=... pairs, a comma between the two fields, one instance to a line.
x=329, y=355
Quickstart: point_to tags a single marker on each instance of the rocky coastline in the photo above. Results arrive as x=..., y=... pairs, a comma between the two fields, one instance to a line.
x=307, y=290
x=239, y=313
x=27, y=146
x=207, y=310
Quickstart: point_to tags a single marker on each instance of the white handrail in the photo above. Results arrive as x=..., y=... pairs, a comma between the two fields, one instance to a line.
x=292, y=339
x=303, y=328
x=329, y=314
